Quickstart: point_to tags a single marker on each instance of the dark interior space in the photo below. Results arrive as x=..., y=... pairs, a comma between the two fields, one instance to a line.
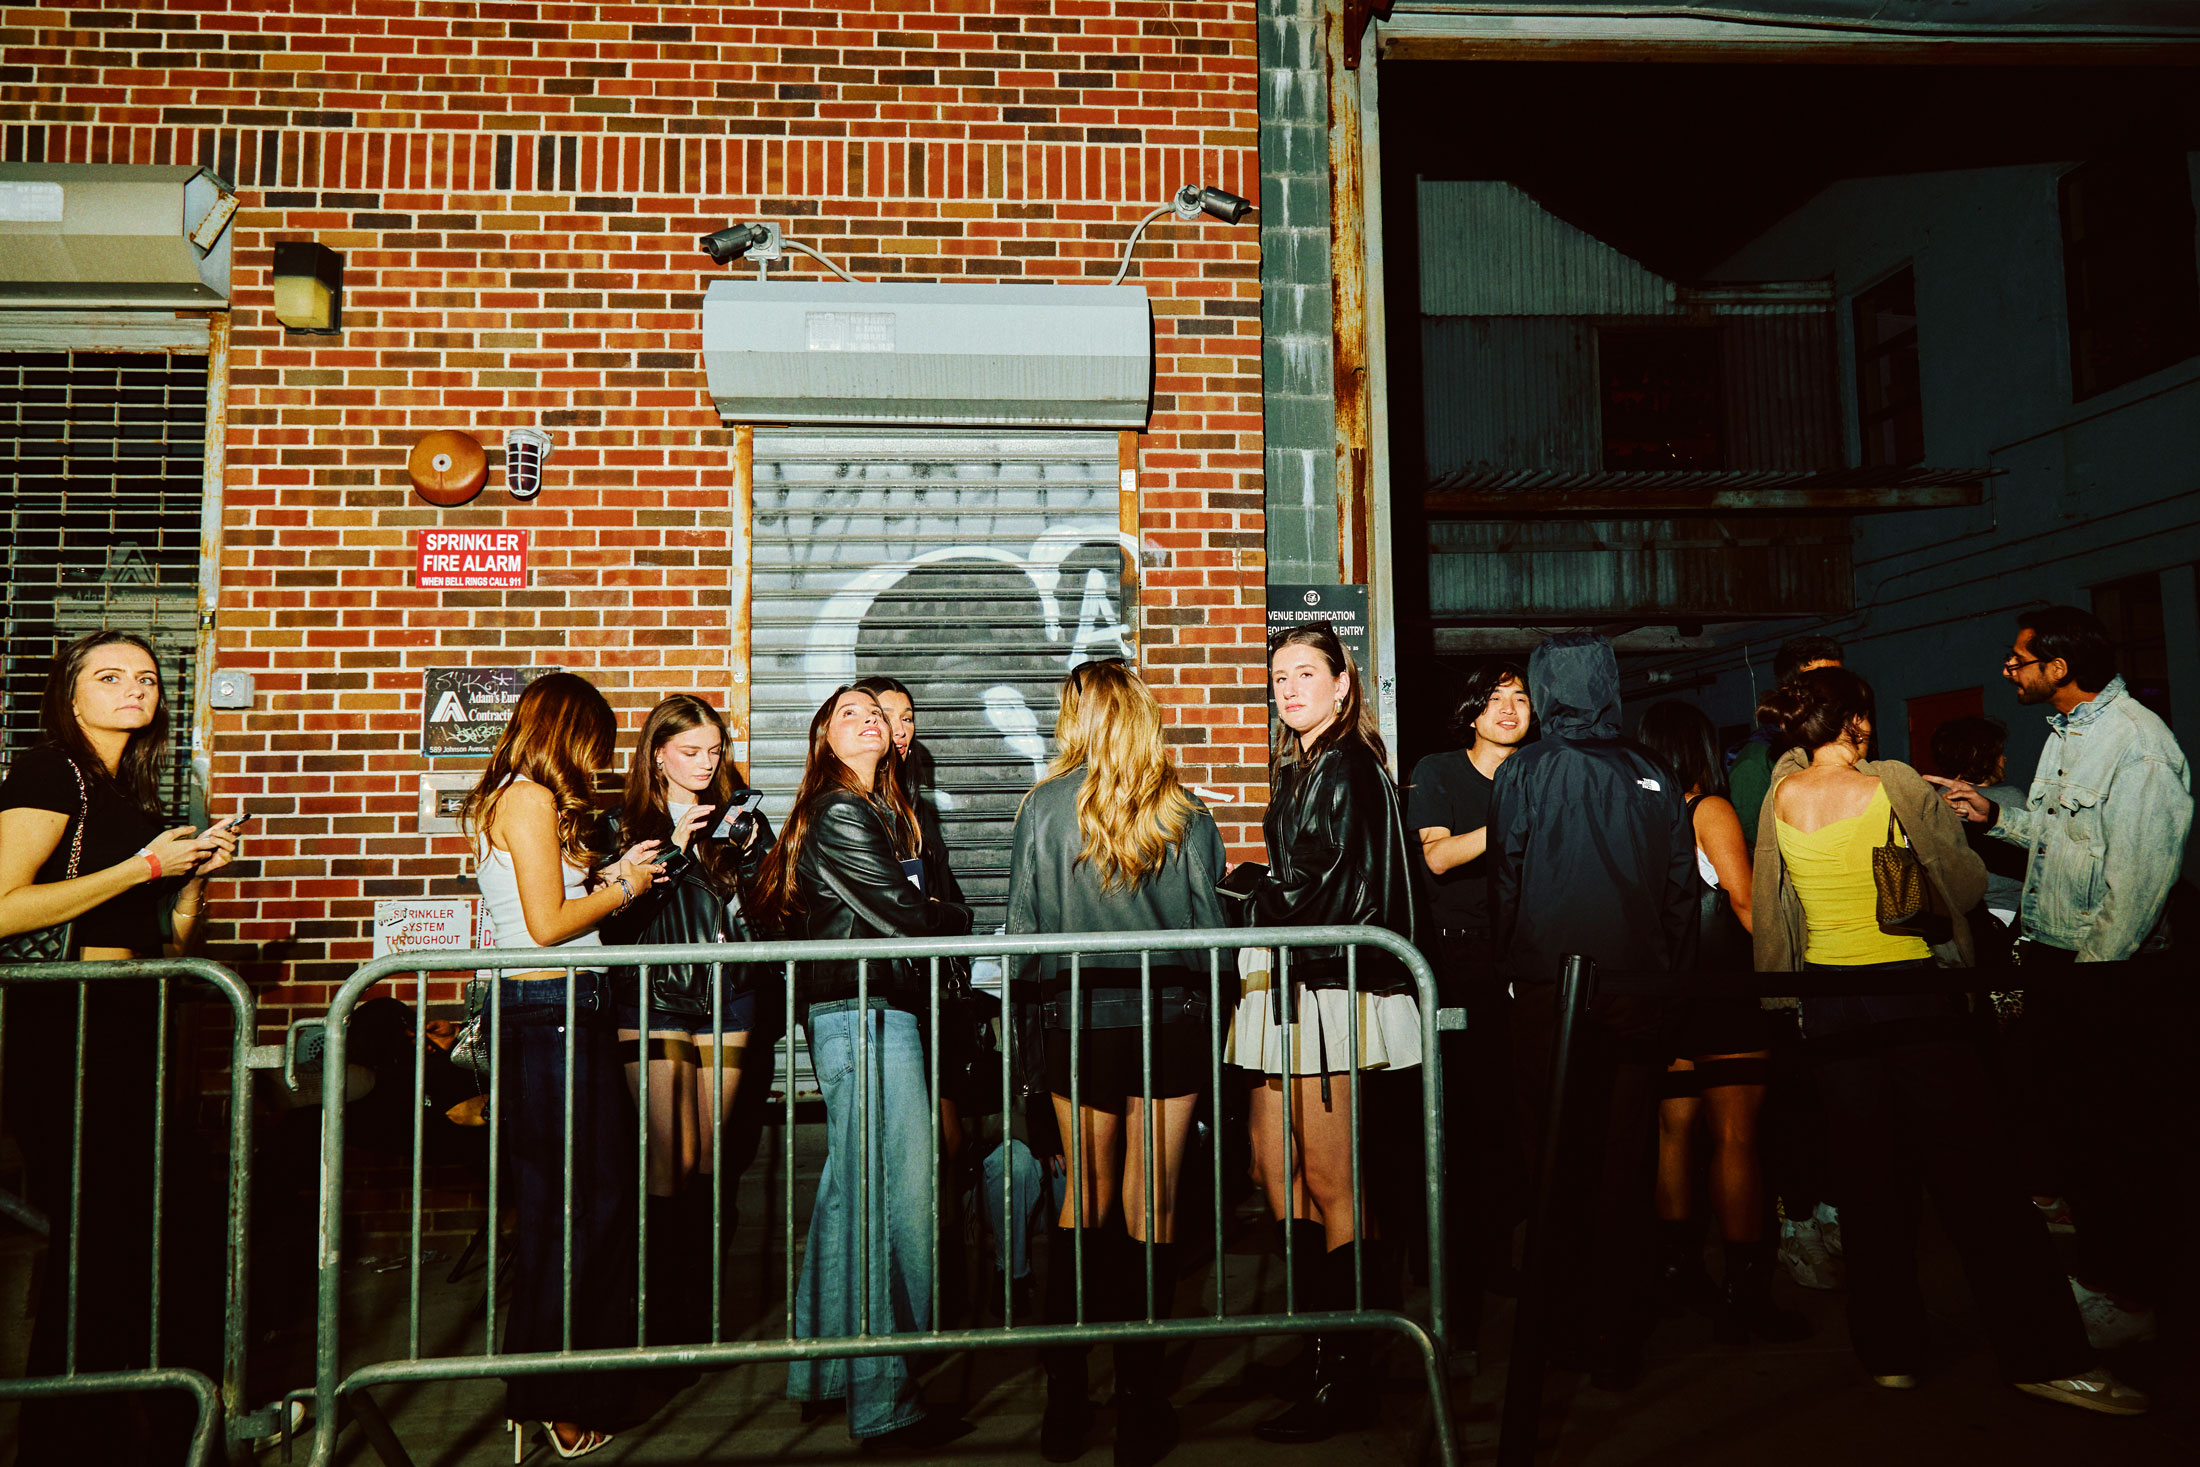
x=1679, y=166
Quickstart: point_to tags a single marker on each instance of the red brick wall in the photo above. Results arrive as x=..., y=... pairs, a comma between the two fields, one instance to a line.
x=516, y=190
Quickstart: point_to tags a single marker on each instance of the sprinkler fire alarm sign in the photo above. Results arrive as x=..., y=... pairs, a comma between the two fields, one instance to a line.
x=473, y=560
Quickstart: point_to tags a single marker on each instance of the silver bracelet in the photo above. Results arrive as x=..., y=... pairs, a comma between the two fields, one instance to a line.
x=620, y=883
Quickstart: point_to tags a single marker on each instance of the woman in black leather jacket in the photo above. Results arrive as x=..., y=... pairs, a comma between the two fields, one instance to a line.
x=1337, y=851
x=1111, y=840
x=681, y=790
x=840, y=871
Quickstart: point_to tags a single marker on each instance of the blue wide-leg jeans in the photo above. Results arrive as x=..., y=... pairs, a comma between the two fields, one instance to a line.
x=894, y=1106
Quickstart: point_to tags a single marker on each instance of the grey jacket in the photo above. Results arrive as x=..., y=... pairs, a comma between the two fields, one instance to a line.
x=1050, y=890
x=2105, y=825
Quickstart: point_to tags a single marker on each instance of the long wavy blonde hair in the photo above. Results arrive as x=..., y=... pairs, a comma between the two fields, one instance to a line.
x=1132, y=809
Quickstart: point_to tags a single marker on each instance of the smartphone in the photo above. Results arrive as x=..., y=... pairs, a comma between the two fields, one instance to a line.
x=743, y=806
x=236, y=826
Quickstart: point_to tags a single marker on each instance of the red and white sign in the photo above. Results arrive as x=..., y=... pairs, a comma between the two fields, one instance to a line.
x=473, y=560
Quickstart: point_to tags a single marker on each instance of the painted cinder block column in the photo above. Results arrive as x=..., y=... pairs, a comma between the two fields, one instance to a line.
x=1298, y=388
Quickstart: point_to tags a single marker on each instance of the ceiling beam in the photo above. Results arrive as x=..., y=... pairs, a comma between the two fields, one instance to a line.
x=1511, y=503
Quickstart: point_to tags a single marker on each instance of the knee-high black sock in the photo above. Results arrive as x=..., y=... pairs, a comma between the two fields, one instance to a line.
x=1138, y=1366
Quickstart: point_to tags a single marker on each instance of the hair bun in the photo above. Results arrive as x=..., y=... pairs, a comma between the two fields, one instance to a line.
x=1785, y=707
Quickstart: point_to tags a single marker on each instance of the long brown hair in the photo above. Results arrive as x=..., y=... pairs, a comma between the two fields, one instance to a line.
x=777, y=898
x=644, y=813
x=1355, y=720
x=1132, y=809
x=143, y=767
x=561, y=733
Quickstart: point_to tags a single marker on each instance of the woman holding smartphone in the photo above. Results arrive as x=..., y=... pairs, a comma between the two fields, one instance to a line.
x=541, y=850
x=839, y=873
x=682, y=791
x=85, y=839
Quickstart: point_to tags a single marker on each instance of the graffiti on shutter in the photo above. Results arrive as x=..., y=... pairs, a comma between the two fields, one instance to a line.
x=977, y=569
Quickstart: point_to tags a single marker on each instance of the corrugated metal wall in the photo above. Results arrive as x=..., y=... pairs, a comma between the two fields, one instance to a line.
x=1712, y=568
x=1510, y=392
x=1505, y=393
x=1780, y=396
x=976, y=568
x=1488, y=249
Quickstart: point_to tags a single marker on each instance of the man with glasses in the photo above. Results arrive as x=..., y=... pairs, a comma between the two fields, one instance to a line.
x=2104, y=827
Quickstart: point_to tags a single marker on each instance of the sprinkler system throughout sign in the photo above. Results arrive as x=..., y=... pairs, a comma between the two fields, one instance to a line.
x=473, y=560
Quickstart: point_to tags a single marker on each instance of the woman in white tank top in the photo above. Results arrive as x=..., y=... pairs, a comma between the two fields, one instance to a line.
x=536, y=833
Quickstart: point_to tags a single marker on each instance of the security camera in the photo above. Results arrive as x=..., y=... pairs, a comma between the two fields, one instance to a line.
x=734, y=241
x=1193, y=199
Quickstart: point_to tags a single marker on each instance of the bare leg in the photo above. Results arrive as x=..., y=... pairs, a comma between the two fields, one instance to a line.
x=1264, y=1121
x=1737, y=1171
x=1677, y=1117
x=1172, y=1123
x=1101, y=1134
x=666, y=1153
x=1324, y=1138
x=708, y=1118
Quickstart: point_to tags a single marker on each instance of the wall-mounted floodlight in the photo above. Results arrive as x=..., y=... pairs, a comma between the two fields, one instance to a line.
x=762, y=243
x=309, y=287
x=1191, y=201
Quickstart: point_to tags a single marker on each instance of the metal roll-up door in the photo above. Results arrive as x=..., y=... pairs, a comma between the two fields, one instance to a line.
x=977, y=568
x=104, y=458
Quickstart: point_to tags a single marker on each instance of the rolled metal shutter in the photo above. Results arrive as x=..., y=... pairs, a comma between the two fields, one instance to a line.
x=104, y=455
x=978, y=568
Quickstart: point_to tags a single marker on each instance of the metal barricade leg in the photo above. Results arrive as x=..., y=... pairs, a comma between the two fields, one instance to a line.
x=1517, y=1432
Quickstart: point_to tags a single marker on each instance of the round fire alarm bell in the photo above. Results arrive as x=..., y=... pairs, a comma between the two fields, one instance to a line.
x=447, y=468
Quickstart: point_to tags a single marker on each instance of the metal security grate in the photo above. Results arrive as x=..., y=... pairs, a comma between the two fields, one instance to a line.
x=976, y=567
x=103, y=454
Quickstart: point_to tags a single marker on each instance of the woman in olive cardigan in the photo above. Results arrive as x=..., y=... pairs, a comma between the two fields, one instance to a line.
x=1907, y=1097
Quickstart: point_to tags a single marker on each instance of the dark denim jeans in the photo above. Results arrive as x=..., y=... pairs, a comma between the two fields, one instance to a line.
x=881, y=1390
x=535, y=1072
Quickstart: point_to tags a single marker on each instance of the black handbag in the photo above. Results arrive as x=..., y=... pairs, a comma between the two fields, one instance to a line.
x=55, y=944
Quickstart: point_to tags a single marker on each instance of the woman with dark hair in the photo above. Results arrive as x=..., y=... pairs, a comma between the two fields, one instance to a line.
x=85, y=841
x=913, y=766
x=1905, y=1090
x=680, y=791
x=1725, y=1046
x=541, y=853
x=1111, y=841
x=1337, y=848
x=840, y=872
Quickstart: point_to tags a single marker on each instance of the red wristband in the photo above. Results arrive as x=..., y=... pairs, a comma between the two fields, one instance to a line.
x=152, y=861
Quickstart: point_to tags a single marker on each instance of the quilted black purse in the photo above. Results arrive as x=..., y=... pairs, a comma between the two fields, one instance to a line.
x=55, y=944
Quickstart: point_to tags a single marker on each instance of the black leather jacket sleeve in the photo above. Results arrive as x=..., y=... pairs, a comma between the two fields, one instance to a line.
x=851, y=853
x=1338, y=854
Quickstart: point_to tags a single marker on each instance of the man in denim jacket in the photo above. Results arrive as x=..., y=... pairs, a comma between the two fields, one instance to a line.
x=2105, y=826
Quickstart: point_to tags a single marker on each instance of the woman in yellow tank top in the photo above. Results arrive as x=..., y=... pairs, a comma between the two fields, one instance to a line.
x=1907, y=1098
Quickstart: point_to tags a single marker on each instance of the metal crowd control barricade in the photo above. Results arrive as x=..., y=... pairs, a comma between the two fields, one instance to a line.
x=217, y=1405
x=340, y=1391
x=1579, y=981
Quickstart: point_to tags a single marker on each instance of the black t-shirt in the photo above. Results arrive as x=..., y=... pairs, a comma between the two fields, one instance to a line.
x=1449, y=793
x=40, y=779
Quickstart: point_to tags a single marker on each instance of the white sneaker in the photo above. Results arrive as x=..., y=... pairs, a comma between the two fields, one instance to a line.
x=2096, y=1390
x=1803, y=1253
x=1829, y=1227
x=2108, y=1325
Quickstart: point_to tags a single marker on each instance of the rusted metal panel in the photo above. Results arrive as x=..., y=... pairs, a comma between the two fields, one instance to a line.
x=743, y=580
x=1780, y=395
x=1488, y=249
x=1579, y=570
x=1508, y=393
x=1348, y=313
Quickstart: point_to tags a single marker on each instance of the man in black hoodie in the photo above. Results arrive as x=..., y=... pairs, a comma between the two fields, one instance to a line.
x=1590, y=852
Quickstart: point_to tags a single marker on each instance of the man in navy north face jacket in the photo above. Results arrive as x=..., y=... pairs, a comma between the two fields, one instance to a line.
x=1591, y=852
